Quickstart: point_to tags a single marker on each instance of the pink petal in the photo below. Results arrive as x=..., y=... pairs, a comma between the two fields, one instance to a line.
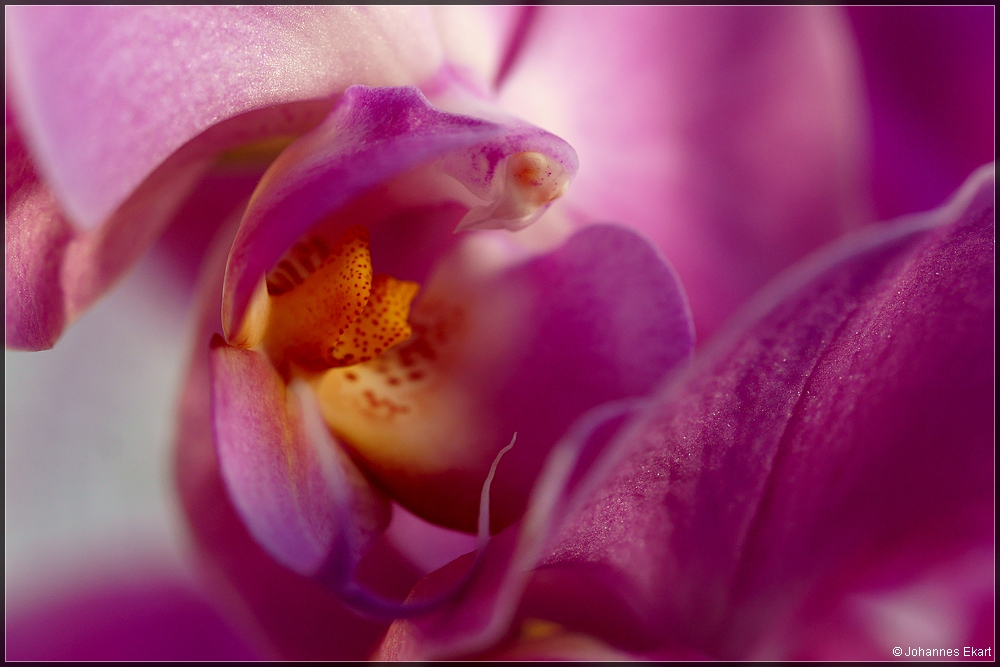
x=476, y=37
x=847, y=423
x=730, y=136
x=124, y=108
x=56, y=271
x=109, y=93
x=371, y=136
x=35, y=239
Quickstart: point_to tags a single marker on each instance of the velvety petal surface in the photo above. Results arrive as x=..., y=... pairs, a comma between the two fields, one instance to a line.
x=834, y=447
x=108, y=93
x=731, y=136
x=371, y=136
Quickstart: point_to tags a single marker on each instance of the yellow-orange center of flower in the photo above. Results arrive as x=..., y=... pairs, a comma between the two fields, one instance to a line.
x=399, y=409
x=326, y=309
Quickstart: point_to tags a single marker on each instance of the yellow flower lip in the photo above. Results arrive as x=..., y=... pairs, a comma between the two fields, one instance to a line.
x=323, y=307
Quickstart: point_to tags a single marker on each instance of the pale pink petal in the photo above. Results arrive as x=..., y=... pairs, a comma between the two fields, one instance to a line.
x=478, y=38
x=107, y=94
x=56, y=270
x=730, y=136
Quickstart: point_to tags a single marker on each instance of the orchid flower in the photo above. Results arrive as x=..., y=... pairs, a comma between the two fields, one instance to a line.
x=445, y=234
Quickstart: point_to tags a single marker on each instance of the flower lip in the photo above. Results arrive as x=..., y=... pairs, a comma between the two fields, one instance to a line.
x=372, y=136
x=323, y=307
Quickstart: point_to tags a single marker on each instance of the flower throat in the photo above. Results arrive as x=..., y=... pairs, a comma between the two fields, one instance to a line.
x=327, y=309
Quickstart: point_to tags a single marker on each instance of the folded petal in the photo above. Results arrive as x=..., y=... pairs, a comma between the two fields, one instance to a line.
x=730, y=136
x=58, y=270
x=297, y=491
x=847, y=422
x=124, y=108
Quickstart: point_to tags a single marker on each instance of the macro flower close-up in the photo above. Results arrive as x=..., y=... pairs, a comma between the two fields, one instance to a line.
x=499, y=332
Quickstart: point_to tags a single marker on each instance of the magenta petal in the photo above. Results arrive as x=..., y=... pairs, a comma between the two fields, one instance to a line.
x=848, y=421
x=371, y=136
x=599, y=319
x=891, y=445
x=108, y=93
x=298, y=493
x=730, y=136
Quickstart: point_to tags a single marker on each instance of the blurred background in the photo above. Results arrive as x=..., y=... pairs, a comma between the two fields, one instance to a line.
x=88, y=425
